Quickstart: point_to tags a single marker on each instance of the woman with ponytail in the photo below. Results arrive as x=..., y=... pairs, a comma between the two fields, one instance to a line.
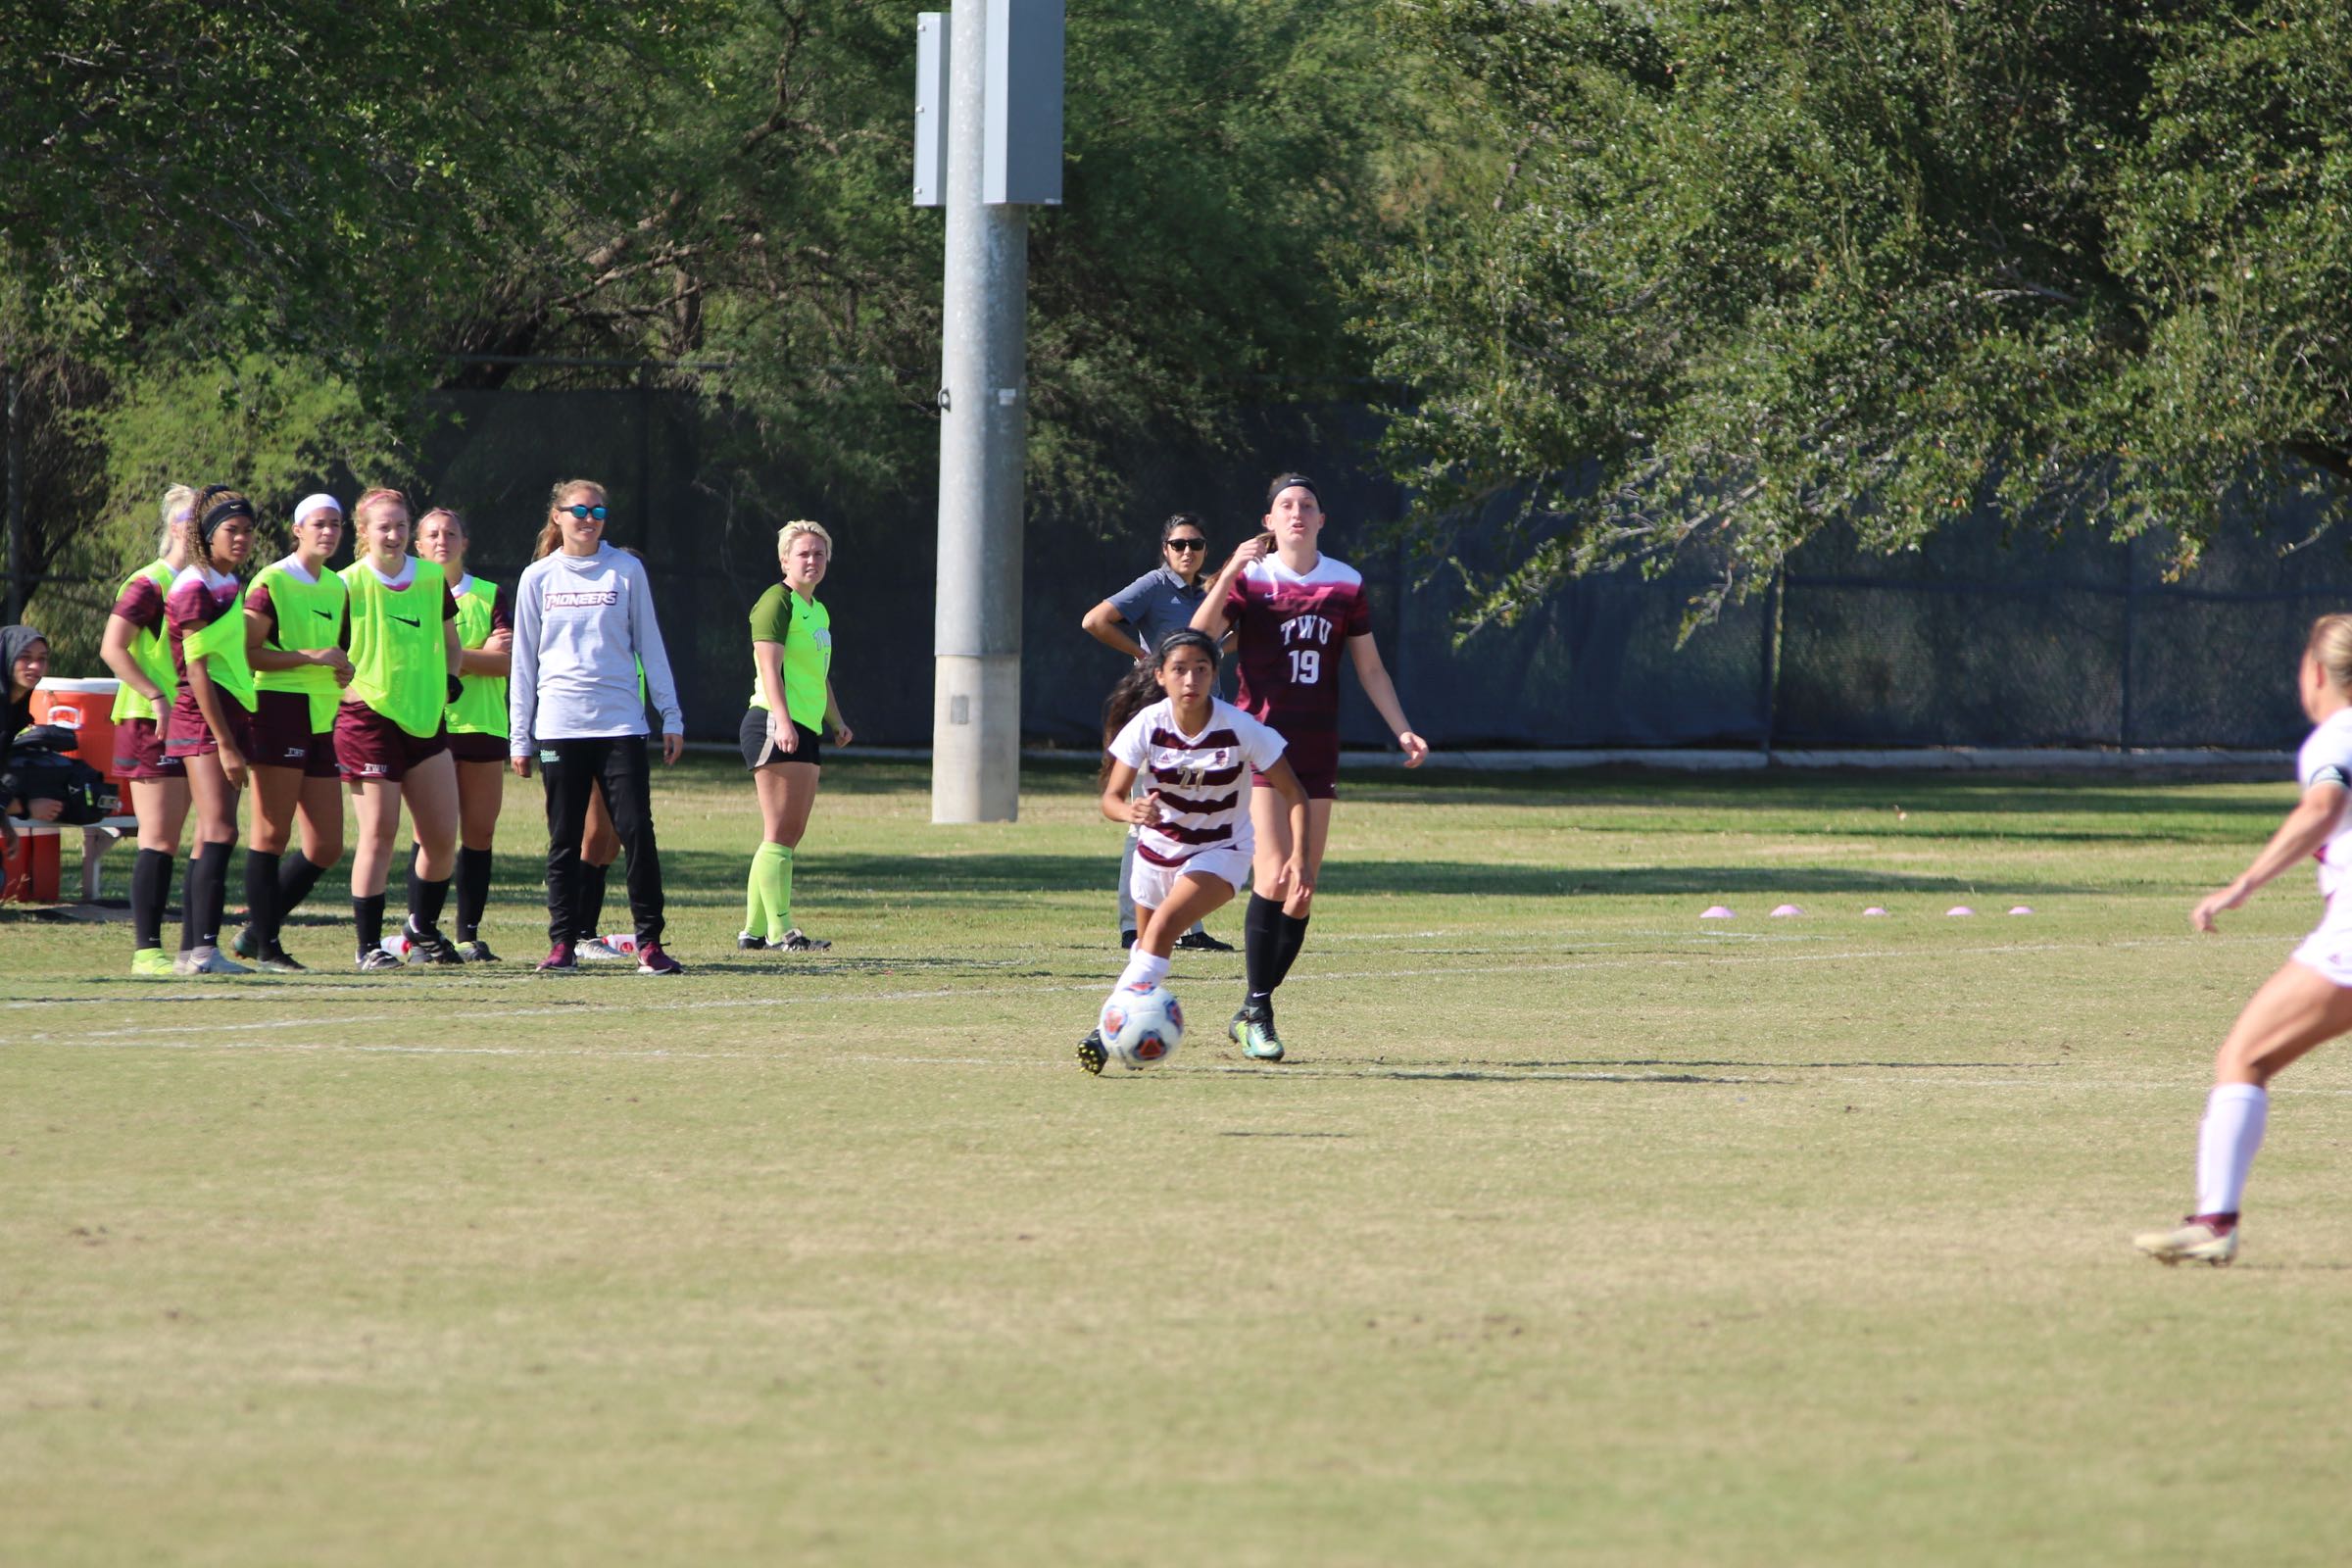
x=138, y=649
x=211, y=727
x=792, y=699
x=1191, y=753
x=2309, y=1000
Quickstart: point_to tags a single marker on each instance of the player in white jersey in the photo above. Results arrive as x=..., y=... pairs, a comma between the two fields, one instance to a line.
x=2309, y=1000
x=1194, y=756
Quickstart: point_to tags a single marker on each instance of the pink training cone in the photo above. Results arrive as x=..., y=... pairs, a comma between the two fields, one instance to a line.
x=1717, y=911
x=1786, y=910
x=2022, y=909
x=1874, y=909
x=1959, y=908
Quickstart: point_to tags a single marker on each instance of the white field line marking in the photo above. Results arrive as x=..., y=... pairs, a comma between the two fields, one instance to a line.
x=739, y=1004
x=1463, y=1071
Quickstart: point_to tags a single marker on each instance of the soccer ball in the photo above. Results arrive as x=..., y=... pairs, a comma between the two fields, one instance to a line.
x=1141, y=1026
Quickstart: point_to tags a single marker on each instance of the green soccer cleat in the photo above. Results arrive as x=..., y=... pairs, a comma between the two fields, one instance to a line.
x=2198, y=1241
x=1091, y=1055
x=152, y=963
x=247, y=944
x=1233, y=1028
x=1260, y=1042
x=277, y=961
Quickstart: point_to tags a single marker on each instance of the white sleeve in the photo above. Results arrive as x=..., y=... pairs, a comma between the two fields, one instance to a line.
x=522, y=677
x=1261, y=745
x=1130, y=745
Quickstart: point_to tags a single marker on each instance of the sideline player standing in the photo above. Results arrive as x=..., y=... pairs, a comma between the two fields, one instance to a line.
x=137, y=649
x=210, y=729
x=294, y=631
x=584, y=625
x=389, y=739
x=1189, y=751
x=477, y=717
x=1294, y=608
x=2309, y=1000
x=792, y=695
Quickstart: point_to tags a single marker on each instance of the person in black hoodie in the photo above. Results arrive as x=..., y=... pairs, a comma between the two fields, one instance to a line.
x=24, y=662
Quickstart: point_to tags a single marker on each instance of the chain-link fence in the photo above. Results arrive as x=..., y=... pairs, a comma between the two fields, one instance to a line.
x=1970, y=641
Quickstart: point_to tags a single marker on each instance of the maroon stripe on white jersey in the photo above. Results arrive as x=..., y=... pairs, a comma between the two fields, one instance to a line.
x=1177, y=743
x=1144, y=851
x=1173, y=772
x=1192, y=806
x=1178, y=833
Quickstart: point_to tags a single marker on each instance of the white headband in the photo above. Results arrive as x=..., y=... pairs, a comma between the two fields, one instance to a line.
x=321, y=501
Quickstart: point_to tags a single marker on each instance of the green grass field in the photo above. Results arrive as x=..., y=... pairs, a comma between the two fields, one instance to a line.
x=1576, y=1231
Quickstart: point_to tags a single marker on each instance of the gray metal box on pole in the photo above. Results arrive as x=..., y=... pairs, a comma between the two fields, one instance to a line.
x=1022, y=164
x=931, y=65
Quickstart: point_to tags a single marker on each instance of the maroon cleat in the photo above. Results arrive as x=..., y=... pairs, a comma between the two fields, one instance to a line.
x=559, y=960
x=650, y=959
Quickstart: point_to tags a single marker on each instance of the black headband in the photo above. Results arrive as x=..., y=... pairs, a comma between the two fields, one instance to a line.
x=215, y=517
x=1293, y=481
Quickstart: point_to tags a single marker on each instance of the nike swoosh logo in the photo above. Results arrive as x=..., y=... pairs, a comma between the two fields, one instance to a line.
x=405, y=621
x=324, y=615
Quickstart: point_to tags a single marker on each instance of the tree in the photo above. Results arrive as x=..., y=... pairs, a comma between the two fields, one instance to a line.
x=1753, y=268
x=251, y=239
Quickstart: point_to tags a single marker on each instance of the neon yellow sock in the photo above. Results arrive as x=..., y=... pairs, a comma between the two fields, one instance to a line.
x=755, y=896
x=772, y=871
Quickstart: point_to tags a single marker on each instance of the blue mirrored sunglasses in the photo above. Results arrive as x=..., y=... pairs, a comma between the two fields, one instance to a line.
x=584, y=512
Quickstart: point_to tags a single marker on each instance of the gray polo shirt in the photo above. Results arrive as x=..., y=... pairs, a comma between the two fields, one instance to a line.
x=1157, y=604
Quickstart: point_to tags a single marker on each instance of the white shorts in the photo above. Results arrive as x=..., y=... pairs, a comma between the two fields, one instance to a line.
x=2329, y=950
x=1150, y=885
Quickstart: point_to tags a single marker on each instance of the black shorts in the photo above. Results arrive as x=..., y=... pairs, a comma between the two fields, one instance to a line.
x=757, y=752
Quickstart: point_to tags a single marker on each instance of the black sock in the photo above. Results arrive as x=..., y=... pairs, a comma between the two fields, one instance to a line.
x=588, y=909
x=425, y=900
x=1261, y=944
x=474, y=891
x=150, y=891
x=211, y=864
x=297, y=874
x=1292, y=933
x=260, y=896
x=367, y=915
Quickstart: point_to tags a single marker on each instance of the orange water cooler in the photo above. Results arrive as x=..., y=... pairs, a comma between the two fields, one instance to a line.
x=86, y=707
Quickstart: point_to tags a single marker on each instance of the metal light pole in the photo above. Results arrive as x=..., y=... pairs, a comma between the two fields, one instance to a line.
x=997, y=152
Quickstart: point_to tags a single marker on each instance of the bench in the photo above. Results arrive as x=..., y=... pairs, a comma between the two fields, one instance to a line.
x=95, y=838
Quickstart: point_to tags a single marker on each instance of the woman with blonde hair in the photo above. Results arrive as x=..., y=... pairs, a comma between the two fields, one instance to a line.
x=2309, y=1000
x=137, y=649
x=792, y=697
x=390, y=741
x=584, y=630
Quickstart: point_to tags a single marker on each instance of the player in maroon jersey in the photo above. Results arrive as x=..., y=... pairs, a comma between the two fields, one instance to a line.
x=1295, y=611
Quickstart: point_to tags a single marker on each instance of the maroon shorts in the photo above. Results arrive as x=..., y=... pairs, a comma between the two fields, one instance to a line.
x=469, y=748
x=282, y=736
x=184, y=737
x=139, y=752
x=371, y=747
x=1315, y=758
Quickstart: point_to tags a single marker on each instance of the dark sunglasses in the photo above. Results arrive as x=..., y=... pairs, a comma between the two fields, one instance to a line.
x=584, y=512
x=1187, y=544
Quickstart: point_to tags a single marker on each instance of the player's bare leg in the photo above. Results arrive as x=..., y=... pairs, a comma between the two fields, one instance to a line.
x=2296, y=1010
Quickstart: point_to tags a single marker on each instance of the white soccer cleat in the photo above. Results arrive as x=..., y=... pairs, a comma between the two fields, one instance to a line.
x=596, y=950
x=207, y=960
x=2196, y=1240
